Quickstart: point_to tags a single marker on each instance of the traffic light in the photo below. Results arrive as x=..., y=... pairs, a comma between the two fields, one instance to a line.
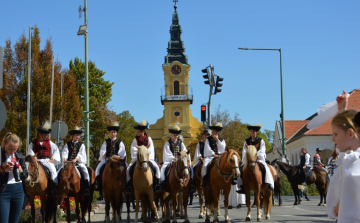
x=218, y=84
x=206, y=76
x=203, y=113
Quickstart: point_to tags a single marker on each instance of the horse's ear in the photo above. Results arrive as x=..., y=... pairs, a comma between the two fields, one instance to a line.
x=179, y=153
x=237, y=150
x=188, y=152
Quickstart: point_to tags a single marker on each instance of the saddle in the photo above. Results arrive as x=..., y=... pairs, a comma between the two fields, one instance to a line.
x=210, y=166
x=46, y=170
x=77, y=171
x=167, y=171
x=262, y=170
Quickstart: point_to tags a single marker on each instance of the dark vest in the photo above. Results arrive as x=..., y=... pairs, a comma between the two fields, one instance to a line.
x=112, y=150
x=41, y=151
x=202, y=145
x=73, y=150
x=315, y=163
x=212, y=143
x=256, y=141
x=175, y=147
x=302, y=159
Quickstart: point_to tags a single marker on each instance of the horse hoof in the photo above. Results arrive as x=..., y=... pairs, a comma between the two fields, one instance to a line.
x=216, y=221
x=207, y=220
x=247, y=219
x=324, y=205
x=201, y=216
x=280, y=204
x=295, y=203
x=187, y=221
x=268, y=217
x=227, y=221
x=259, y=219
x=319, y=204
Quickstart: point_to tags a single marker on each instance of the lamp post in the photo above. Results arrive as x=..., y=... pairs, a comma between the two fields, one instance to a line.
x=83, y=31
x=282, y=99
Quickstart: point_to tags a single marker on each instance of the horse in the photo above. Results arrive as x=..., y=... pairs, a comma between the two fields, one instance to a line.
x=143, y=185
x=227, y=167
x=113, y=184
x=179, y=178
x=293, y=175
x=253, y=181
x=37, y=184
x=69, y=186
x=199, y=189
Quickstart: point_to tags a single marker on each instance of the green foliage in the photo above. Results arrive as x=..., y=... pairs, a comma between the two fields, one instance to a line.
x=286, y=189
x=127, y=131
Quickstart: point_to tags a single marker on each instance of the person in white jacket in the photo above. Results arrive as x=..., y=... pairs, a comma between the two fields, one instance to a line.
x=74, y=151
x=47, y=153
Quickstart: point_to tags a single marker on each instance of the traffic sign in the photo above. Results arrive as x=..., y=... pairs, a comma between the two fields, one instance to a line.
x=2, y=115
x=59, y=130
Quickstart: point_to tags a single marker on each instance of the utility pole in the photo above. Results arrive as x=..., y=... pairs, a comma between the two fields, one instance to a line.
x=28, y=93
x=52, y=89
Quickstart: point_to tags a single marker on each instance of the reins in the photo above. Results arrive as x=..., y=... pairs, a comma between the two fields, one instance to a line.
x=227, y=174
x=33, y=182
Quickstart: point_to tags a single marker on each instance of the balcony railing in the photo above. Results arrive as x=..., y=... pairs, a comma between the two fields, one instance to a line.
x=174, y=98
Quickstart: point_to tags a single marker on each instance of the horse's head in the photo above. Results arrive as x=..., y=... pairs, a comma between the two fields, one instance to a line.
x=33, y=169
x=251, y=156
x=184, y=163
x=117, y=167
x=65, y=177
x=233, y=160
x=143, y=157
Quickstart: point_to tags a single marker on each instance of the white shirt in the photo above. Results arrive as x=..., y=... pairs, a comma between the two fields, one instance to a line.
x=134, y=150
x=54, y=152
x=208, y=152
x=197, y=153
x=81, y=156
x=261, y=152
x=121, y=152
x=307, y=160
x=11, y=179
x=168, y=155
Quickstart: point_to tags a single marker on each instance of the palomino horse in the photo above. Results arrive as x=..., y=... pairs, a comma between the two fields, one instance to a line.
x=227, y=167
x=143, y=185
x=69, y=186
x=113, y=184
x=37, y=184
x=200, y=190
x=294, y=177
x=253, y=181
x=179, y=178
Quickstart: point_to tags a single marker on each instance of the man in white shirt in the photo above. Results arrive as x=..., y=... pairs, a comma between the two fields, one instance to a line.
x=304, y=163
x=142, y=139
x=214, y=146
x=112, y=146
x=74, y=151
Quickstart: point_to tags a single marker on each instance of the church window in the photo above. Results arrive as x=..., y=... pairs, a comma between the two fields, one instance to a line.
x=177, y=114
x=176, y=88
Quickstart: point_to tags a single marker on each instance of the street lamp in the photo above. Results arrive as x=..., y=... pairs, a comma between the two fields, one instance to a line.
x=282, y=100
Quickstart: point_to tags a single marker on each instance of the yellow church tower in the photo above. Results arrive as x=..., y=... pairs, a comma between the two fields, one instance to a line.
x=176, y=99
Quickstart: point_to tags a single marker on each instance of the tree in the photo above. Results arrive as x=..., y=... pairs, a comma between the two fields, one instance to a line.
x=98, y=87
x=127, y=131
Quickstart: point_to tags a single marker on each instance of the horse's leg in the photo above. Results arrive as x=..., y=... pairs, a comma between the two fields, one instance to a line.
x=114, y=207
x=325, y=194
x=32, y=204
x=218, y=207
x=248, y=203
x=43, y=207
x=201, y=215
x=174, y=202
x=185, y=198
x=77, y=209
x=107, y=208
x=153, y=206
x=279, y=194
x=137, y=198
x=68, y=213
x=180, y=204
x=216, y=193
x=119, y=204
x=226, y=204
x=128, y=197
x=296, y=192
x=257, y=202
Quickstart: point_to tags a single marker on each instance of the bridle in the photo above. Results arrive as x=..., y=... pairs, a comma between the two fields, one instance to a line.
x=223, y=174
x=35, y=175
x=181, y=169
x=140, y=167
x=252, y=162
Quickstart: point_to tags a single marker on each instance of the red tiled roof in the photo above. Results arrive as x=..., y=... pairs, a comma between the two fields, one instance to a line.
x=292, y=126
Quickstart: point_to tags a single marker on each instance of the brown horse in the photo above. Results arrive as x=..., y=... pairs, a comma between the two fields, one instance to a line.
x=37, y=184
x=179, y=178
x=200, y=190
x=253, y=181
x=113, y=184
x=227, y=167
x=294, y=177
x=69, y=186
x=143, y=185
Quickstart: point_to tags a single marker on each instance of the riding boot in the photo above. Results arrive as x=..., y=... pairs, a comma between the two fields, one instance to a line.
x=52, y=188
x=192, y=186
x=241, y=190
x=162, y=185
x=157, y=187
x=205, y=178
x=129, y=187
x=270, y=188
x=97, y=183
x=85, y=184
x=234, y=181
x=191, y=198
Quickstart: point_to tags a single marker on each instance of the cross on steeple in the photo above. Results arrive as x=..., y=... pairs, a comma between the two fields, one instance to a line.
x=175, y=6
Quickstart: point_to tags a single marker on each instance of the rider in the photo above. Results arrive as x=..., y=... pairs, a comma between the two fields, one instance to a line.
x=304, y=163
x=112, y=146
x=318, y=164
x=199, y=151
x=261, y=154
x=47, y=153
x=140, y=139
x=74, y=151
x=214, y=145
x=171, y=147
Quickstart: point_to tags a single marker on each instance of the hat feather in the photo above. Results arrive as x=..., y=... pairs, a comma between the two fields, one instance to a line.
x=143, y=123
x=115, y=124
x=46, y=125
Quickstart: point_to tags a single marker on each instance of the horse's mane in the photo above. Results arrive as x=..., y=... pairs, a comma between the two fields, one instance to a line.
x=251, y=152
x=183, y=154
x=231, y=153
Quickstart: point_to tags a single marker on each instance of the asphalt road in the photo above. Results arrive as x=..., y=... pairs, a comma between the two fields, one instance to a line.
x=308, y=211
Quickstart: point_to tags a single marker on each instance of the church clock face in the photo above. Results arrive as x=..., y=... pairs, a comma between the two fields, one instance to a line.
x=176, y=69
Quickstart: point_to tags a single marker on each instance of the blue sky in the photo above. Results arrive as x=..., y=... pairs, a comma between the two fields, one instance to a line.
x=128, y=40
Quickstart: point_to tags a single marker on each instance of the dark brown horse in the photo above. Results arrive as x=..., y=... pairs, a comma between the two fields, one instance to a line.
x=294, y=177
x=69, y=186
x=37, y=184
x=113, y=184
x=226, y=167
x=179, y=178
x=200, y=190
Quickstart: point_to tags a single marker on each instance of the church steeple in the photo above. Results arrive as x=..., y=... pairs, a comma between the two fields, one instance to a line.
x=176, y=47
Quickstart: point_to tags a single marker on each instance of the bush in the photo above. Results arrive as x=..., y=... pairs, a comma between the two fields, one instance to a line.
x=286, y=189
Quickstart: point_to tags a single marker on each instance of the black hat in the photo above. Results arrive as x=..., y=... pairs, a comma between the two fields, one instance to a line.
x=256, y=127
x=318, y=150
x=142, y=126
x=175, y=130
x=115, y=126
x=217, y=127
x=46, y=128
x=206, y=131
x=76, y=130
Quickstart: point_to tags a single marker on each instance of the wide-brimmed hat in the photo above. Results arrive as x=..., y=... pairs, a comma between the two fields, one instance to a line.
x=175, y=130
x=206, y=131
x=217, y=127
x=115, y=126
x=318, y=150
x=45, y=128
x=76, y=130
x=256, y=127
x=142, y=126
